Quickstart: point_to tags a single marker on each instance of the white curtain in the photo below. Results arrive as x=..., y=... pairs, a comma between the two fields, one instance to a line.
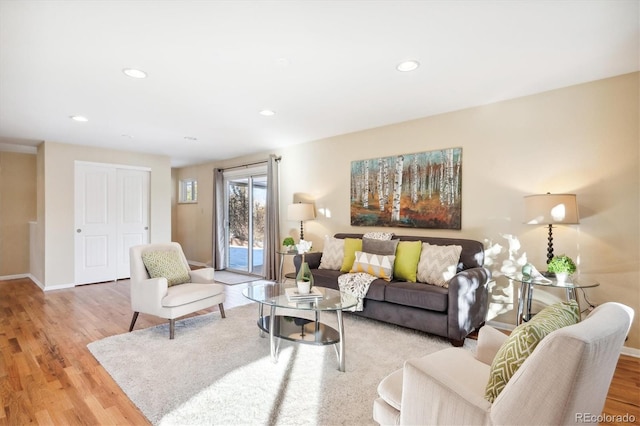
x=219, y=219
x=272, y=232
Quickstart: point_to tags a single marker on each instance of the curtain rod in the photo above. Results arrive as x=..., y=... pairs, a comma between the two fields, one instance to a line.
x=250, y=164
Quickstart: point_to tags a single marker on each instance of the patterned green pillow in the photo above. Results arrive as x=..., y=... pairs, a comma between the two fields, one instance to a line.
x=168, y=264
x=523, y=340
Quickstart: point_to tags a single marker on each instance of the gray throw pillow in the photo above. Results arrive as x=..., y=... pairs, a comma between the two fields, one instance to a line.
x=385, y=248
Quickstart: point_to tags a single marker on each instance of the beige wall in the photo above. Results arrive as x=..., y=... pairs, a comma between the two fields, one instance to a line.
x=57, y=198
x=17, y=208
x=582, y=139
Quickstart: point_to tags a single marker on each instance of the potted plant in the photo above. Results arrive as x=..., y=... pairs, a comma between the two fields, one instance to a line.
x=288, y=243
x=561, y=267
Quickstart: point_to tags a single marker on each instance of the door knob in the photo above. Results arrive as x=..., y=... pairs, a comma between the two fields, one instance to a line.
x=146, y=228
x=78, y=230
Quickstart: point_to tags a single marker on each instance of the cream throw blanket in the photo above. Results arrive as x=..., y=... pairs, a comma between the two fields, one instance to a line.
x=356, y=284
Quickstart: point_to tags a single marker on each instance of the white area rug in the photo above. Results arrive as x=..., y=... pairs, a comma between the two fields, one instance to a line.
x=232, y=278
x=219, y=371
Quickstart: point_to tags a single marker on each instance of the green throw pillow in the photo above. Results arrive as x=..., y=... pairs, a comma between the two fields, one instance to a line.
x=407, y=258
x=167, y=264
x=351, y=246
x=523, y=340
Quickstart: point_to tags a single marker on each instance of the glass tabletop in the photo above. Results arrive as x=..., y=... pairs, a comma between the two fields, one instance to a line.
x=575, y=281
x=275, y=294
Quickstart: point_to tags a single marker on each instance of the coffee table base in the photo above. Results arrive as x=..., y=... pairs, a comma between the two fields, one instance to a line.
x=303, y=330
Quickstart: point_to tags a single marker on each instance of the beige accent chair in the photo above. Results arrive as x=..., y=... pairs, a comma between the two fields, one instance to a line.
x=565, y=379
x=153, y=295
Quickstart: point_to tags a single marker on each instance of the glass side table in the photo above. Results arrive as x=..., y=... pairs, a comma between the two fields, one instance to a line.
x=571, y=284
x=282, y=255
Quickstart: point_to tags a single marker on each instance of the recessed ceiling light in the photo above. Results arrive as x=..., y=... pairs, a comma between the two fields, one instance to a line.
x=79, y=118
x=267, y=112
x=190, y=138
x=134, y=73
x=408, y=66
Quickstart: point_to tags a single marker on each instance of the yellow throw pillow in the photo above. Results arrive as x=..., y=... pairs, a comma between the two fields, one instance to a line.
x=167, y=264
x=407, y=258
x=351, y=246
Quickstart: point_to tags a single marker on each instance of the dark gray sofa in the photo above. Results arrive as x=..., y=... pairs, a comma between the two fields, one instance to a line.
x=452, y=312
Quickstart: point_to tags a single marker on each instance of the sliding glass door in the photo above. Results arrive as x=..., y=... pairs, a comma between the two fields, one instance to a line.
x=246, y=195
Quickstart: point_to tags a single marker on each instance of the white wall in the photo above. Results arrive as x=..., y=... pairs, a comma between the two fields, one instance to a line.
x=57, y=221
x=581, y=139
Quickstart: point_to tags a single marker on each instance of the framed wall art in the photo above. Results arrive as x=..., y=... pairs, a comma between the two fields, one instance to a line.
x=421, y=190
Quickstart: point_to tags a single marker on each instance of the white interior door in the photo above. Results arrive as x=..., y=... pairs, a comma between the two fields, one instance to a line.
x=132, y=215
x=111, y=215
x=95, y=220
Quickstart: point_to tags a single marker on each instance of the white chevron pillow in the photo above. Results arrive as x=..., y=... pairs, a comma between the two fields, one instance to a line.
x=438, y=264
x=332, y=253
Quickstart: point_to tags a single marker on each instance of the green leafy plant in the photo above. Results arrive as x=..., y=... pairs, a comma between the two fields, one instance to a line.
x=561, y=264
x=288, y=242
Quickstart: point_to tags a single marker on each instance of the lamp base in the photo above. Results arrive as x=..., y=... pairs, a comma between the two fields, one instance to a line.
x=550, y=245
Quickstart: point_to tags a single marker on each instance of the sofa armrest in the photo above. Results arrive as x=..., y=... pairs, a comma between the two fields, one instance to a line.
x=313, y=259
x=489, y=342
x=202, y=276
x=147, y=295
x=468, y=302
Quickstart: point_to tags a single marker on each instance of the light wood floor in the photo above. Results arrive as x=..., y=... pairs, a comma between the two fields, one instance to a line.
x=48, y=376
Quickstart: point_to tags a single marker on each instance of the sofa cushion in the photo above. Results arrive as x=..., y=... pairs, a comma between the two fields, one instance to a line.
x=332, y=253
x=374, y=264
x=385, y=247
x=407, y=257
x=351, y=246
x=167, y=264
x=438, y=264
x=524, y=339
x=417, y=295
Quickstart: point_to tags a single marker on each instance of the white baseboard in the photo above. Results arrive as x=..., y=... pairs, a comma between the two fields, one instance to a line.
x=630, y=352
x=14, y=277
x=36, y=282
x=58, y=287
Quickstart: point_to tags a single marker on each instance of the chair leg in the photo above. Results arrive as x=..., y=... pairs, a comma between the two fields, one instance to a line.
x=221, y=310
x=172, y=328
x=133, y=321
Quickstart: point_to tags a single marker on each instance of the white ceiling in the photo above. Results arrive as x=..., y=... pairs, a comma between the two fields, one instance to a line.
x=325, y=67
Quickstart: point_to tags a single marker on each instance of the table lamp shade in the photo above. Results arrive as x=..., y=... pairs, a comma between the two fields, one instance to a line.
x=550, y=209
x=300, y=212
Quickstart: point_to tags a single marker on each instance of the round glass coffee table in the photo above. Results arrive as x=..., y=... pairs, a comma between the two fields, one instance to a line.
x=297, y=329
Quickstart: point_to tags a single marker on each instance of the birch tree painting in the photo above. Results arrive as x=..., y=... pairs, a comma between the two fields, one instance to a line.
x=419, y=190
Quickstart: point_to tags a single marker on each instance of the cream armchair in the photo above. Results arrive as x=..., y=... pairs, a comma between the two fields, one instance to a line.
x=564, y=381
x=154, y=296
